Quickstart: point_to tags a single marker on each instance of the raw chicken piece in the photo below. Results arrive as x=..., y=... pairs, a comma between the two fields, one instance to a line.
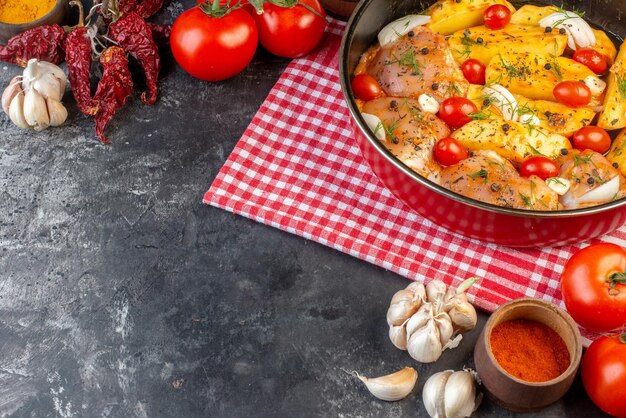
x=417, y=64
x=487, y=177
x=410, y=133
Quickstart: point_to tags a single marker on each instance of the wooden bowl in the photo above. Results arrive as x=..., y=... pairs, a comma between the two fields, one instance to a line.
x=509, y=391
x=56, y=15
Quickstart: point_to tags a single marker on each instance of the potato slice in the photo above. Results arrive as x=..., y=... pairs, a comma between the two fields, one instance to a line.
x=604, y=45
x=482, y=43
x=617, y=153
x=448, y=16
x=511, y=140
x=614, y=114
x=534, y=75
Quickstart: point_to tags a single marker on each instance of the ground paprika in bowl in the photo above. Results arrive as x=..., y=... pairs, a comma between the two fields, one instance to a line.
x=527, y=354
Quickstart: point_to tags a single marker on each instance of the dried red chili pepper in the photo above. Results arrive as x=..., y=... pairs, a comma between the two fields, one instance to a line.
x=144, y=8
x=46, y=43
x=133, y=34
x=113, y=89
x=160, y=33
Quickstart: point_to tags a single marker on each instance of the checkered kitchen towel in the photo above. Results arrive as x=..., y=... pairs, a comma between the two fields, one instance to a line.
x=298, y=168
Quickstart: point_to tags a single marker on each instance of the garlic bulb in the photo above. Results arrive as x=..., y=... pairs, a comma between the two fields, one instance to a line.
x=426, y=320
x=392, y=387
x=33, y=100
x=451, y=394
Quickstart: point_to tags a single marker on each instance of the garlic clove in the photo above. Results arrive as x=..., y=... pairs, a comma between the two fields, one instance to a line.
x=444, y=325
x=12, y=90
x=401, y=308
x=419, y=291
x=48, y=86
x=419, y=319
x=56, y=111
x=460, y=395
x=397, y=335
x=392, y=387
x=435, y=291
x=35, y=110
x=433, y=393
x=16, y=111
x=57, y=72
x=424, y=344
x=462, y=314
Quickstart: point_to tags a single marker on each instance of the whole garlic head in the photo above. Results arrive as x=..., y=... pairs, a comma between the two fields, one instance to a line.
x=451, y=394
x=33, y=101
x=426, y=320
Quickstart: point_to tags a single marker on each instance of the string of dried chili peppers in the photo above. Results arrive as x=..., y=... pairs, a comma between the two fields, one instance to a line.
x=114, y=88
x=160, y=33
x=46, y=43
x=144, y=8
x=133, y=34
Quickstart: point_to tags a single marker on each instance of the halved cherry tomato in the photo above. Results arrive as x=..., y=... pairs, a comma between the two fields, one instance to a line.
x=449, y=151
x=593, y=138
x=572, y=93
x=593, y=284
x=455, y=110
x=540, y=166
x=604, y=374
x=365, y=87
x=497, y=16
x=474, y=71
x=591, y=58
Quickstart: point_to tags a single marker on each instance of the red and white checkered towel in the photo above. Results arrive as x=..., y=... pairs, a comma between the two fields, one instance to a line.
x=298, y=168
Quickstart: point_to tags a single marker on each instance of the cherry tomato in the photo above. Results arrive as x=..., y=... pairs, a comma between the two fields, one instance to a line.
x=542, y=167
x=291, y=30
x=591, y=58
x=572, y=93
x=593, y=138
x=449, y=151
x=474, y=71
x=604, y=374
x=211, y=46
x=365, y=87
x=455, y=110
x=497, y=16
x=593, y=285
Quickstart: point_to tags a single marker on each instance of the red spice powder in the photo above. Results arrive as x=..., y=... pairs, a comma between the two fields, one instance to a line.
x=529, y=350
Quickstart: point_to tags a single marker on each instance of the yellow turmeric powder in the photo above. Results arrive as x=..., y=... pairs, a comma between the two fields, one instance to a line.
x=23, y=11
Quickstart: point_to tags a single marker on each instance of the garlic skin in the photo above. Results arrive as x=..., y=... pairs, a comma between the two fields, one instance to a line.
x=426, y=320
x=38, y=92
x=451, y=394
x=392, y=387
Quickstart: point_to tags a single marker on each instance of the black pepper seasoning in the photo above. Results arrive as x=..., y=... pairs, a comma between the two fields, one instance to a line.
x=495, y=187
x=562, y=31
x=479, y=40
x=615, y=165
x=547, y=66
x=435, y=86
x=425, y=51
x=590, y=180
x=506, y=127
x=393, y=104
x=548, y=29
x=411, y=34
x=564, y=151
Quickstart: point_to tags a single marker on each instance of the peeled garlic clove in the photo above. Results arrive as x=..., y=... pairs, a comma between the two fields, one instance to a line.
x=397, y=335
x=460, y=395
x=12, y=90
x=402, y=307
x=35, y=110
x=16, y=111
x=444, y=325
x=419, y=319
x=48, y=86
x=392, y=387
x=424, y=344
x=56, y=111
x=433, y=393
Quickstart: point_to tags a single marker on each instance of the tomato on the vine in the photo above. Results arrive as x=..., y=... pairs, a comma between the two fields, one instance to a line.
x=604, y=374
x=214, y=43
x=540, y=166
x=290, y=28
x=572, y=93
x=593, y=138
x=455, y=110
x=592, y=59
x=474, y=71
x=365, y=87
x=449, y=151
x=497, y=16
x=593, y=284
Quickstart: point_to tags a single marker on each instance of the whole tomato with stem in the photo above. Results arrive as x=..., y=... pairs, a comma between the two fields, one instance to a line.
x=214, y=42
x=593, y=284
x=289, y=28
x=604, y=374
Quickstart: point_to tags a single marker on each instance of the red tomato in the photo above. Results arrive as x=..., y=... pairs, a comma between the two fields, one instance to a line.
x=474, y=71
x=365, y=87
x=593, y=138
x=454, y=111
x=593, y=285
x=591, y=58
x=212, y=47
x=572, y=93
x=291, y=30
x=542, y=167
x=497, y=16
x=449, y=151
x=604, y=374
